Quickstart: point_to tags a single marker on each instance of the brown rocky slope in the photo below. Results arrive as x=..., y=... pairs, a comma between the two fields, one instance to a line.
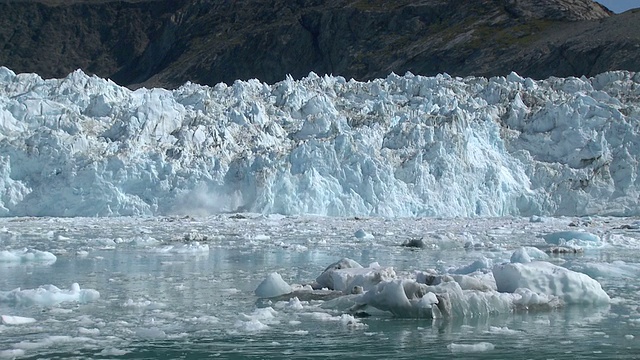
x=168, y=42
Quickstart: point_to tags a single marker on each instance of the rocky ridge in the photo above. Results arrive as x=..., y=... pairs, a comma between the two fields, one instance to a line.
x=168, y=42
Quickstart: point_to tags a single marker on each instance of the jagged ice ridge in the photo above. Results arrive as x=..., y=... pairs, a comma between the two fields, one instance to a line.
x=401, y=146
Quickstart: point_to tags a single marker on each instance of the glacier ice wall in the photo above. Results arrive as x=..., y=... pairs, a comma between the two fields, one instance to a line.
x=400, y=146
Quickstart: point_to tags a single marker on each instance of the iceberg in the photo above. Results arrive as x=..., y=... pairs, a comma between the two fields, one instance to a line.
x=26, y=255
x=273, y=285
x=16, y=320
x=526, y=284
x=348, y=276
x=48, y=295
x=573, y=238
x=549, y=279
x=400, y=146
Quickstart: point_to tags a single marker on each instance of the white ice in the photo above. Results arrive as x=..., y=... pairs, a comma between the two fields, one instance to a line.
x=48, y=295
x=522, y=284
x=26, y=255
x=549, y=279
x=466, y=348
x=16, y=320
x=400, y=146
x=573, y=238
x=347, y=274
x=272, y=286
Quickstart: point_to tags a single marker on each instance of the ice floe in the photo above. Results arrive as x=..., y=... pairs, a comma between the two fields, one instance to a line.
x=521, y=285
x=48, y=295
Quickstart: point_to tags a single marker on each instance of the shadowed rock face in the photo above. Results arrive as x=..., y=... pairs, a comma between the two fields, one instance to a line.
x=168, y=42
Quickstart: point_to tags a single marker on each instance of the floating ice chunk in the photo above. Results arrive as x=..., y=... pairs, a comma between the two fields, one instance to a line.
x=480, y=282
x=52, y=341
x=273, y=285
x=144, y=241
x=294, y=247
x=11, y=354
x=321, y=316
x=616, y=269
x=344, y=319
x=144, y=304
x=16, y=320
x=150, y=333
x=325, y=279
x=27, y=255
x=402, y=298
x=346, y=274
x=111, y=351
x=455, y=302
x=361, y=234
x=527, y=254
x=466, y=348
x=295, y=304
x=546, y=278
x=503, y=330
x=351, y=322
x=91, y=332
x=48, y=295
x=580, y=238
x=483, y=264
x=531, y=300
x=251, y=325
x=520, y=256
x=258, y=320
x=189, y=248
x=205, y=319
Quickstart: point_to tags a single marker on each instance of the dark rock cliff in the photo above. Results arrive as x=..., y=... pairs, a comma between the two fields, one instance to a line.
x=168, y=42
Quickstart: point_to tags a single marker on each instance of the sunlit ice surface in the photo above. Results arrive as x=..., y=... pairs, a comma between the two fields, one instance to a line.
x=185, y=287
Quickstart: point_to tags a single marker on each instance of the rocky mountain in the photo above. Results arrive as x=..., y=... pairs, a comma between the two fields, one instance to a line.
x=168, y=42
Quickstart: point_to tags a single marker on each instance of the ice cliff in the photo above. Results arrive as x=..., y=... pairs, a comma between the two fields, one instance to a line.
x=399, y=146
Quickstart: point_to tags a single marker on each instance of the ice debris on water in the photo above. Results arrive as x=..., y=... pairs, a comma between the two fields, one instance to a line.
x=26, y=255
x=546, y=278
x=16, y=320
x=482, y=289
x=48, y=295
x=466, y=348
x=527, y=254
x=361, y=234
x=273, y=285
x=576, y=237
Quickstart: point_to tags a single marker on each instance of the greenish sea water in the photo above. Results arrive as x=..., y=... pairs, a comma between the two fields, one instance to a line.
x=160, y=303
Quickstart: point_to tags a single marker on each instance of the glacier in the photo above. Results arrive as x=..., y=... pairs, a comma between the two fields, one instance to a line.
x=401, y=146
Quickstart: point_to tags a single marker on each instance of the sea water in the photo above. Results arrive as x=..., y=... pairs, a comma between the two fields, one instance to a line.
x=184, y=288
